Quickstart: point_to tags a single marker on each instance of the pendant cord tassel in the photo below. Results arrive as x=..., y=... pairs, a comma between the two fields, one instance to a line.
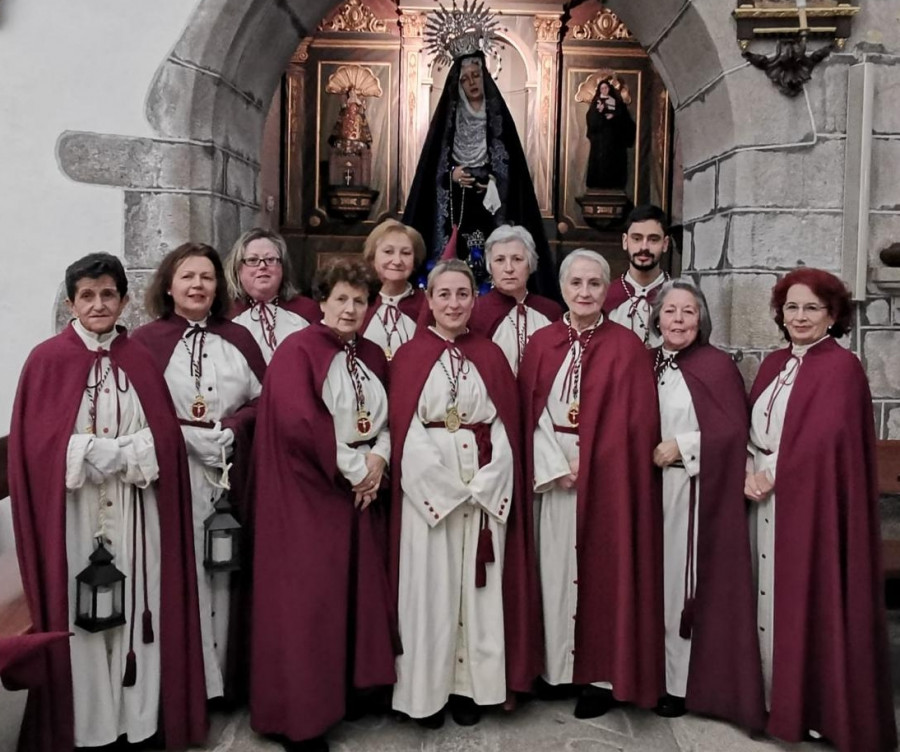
x=686, y=627
x=131, y=660
x=147, y=626
x=484, y=553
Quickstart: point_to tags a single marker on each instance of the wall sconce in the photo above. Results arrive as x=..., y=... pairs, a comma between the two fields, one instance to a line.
x=791, y=23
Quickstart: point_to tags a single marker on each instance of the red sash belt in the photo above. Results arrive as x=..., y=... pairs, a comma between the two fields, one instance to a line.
x=484, y=553
x=482, y=433
x=196, y=423
x=566, y=429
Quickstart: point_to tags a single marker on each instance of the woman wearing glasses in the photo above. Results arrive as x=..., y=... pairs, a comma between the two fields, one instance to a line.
x=261, y=288
x=214, y=370
x=815, y=525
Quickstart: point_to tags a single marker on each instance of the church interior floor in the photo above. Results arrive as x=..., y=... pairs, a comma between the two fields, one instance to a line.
x=536, y=726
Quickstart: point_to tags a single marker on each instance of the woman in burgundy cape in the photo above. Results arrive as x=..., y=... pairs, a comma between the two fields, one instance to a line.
x=48, y=400
x=712, y=652
x=431, y=564
x=820, y=610
x=322, y=624
x=591, y=423
x=509, y=315
x=214, y=364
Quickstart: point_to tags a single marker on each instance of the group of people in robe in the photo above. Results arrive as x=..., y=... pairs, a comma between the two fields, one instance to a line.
x=448, y=502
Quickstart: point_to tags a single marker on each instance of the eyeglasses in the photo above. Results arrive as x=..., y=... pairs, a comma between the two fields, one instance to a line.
x=254, y=261
x=810, y=309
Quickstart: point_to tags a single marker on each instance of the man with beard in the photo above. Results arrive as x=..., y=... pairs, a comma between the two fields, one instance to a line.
x=631, y=296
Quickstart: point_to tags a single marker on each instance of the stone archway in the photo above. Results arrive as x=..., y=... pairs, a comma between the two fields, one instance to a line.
x=208, y=101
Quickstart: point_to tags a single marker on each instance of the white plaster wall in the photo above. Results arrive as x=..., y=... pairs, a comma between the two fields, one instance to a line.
x=83, y=65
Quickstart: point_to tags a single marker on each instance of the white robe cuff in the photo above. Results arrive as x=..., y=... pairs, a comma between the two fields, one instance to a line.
x=383, y=446
x=689, y=447
x=139, y=454
x=76, y=473
x=492, y=485
x=550, y=463
x=433, y=489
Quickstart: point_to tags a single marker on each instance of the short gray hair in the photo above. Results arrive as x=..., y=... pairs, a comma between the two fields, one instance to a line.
x=586, y=254
x=683, y=283
x=508, y=234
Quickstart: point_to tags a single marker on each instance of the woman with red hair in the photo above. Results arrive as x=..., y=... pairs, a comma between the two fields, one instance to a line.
x=815, y=527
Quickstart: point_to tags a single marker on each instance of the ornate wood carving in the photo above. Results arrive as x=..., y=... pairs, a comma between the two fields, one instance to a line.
x=604, y=27
x=355, y=16
x=547, y=28
x=301, y=54
x=412, y=24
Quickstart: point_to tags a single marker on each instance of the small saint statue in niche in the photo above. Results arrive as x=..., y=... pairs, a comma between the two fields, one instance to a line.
x=611, y=131
x=350, y=162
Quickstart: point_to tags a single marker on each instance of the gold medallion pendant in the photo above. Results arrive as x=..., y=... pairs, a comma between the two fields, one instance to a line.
x=198, y=408
x=573, y=413
x=363, y=423
x=387, y=353
x=451, y=420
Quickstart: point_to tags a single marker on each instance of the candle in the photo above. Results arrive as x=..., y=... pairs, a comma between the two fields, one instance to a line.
x=221, y=549
x=104, y=603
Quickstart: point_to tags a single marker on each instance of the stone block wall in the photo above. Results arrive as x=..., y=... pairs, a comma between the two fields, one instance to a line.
x=764, y=177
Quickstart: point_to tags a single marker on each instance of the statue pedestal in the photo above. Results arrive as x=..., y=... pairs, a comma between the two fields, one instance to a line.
x=603, y=209
x=350, y=203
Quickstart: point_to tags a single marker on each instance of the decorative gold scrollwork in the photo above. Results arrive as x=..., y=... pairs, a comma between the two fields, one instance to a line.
x=355, y=16
x=605, y=26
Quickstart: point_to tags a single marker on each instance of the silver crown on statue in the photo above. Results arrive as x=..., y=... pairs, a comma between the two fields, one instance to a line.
x=451, y=33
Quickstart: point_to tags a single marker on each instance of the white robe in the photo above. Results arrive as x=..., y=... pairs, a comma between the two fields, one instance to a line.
x=555, y=528
x=506, y=335
x=765, y=438
x=339, y=396
x=452, y=632
x=389, y=327
x=678, y=421
x=103, y=708
x=227, y=383
x=639, y=320
x=286, y=323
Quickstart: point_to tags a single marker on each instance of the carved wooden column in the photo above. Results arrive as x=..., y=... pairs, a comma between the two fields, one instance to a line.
x=413, y=111
x=547, y=29
x=295, y=97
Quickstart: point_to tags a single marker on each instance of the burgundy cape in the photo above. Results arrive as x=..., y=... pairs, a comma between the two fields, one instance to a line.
x=831, y=669
x=494, y=305
x=725, y=676
x=46, y=406
x=300, y=304
x=322, y=619
x=161, y=337
x=521, y=597
x=415, y=306
x=621, y=290
x=619, y=633
x=22, y=663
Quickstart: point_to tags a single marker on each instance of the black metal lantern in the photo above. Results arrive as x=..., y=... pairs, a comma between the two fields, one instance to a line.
x=100, y=593
x=221, y=539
